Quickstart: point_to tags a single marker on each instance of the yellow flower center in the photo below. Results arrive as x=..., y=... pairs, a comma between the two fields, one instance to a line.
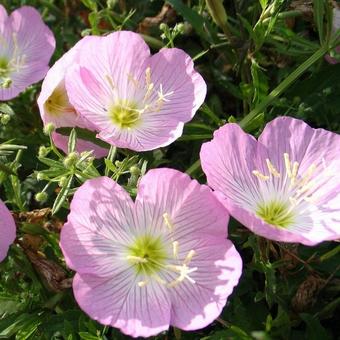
x=58, y=103
x=124, y=114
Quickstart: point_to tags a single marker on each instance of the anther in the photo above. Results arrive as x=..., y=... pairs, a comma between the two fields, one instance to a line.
x=148, y=76
x=288, y=165
x=189, y=257
x=259, y=175
x=110, y=81
x=137, y=259
x=175, y=245
x=167, y=221
x=142, y=283
x=295, y=171
x=272, y=169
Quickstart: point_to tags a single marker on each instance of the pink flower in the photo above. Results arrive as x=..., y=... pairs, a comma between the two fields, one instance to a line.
x=285, y=186
x=161, y=260
x=135, y=100
x=7, y=230
x=55, y=107
x=26, y=46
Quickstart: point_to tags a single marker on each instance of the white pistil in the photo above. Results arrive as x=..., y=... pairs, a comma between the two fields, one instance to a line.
x=137, y=259
x=259, y=175
x=272, y=169
x=184, y=272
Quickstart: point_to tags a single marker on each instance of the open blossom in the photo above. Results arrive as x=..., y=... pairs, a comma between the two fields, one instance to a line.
x=55, y=107
x=161, y=260
x=285, y=186
x=135, y=100
x=26, y=46
x=7, y=230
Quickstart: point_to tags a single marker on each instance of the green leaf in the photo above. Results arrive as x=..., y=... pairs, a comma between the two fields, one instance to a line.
x=84, y=134
x=319, y=12
x=72, y=141
x=315, y=331
x=62, y=196
x=198, y=23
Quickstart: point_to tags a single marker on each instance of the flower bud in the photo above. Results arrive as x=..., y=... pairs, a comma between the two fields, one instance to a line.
x=40, y=176
x=49, y=128
x=5, y=118
x=62, y=182
x=41, y=196
x=71, y=159
x=43, y=151
x=134, y=170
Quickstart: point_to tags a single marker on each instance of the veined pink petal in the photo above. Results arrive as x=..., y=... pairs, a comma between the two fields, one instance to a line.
x=219, y=267
x=119, y=302
x=29, y=44
x=189, y=206
x=7, y=230
x=99, y=224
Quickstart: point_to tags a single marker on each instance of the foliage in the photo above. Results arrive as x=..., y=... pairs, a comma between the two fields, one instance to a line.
x=262, y=59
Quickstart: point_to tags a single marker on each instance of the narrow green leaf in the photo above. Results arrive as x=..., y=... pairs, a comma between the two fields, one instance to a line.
x=72, y=141
x=62, y=196
x=84, y=134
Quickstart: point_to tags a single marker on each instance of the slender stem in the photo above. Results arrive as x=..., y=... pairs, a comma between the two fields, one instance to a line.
x=282, y=86
x=330, y=253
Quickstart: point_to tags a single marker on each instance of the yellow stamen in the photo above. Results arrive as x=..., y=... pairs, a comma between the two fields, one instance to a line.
x=259, y=175
x=137, y=259
x=166, y=218
x=288, y=165
x=110, y=81
x=272, y=169
x=189, y=257
x=294, y=171
x=175, y=245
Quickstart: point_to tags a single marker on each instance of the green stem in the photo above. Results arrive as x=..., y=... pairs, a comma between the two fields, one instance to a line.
x=282, y=87
x=330, y=254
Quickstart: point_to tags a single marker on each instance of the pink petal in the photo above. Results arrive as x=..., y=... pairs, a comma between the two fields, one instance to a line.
x=191, y=208
x=219, y=267
x=119, y=302
x=98, y=226
x=7, y=229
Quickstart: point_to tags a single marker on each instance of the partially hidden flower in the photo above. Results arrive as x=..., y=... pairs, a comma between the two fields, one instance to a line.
x=285, y=186
x=135, y=100
x=55, y=107
x=26, y=46
x=7, y=230
x=335, y=59
x=161, y=260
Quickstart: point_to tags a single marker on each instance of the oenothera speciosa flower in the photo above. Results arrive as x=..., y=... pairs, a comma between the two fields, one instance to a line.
x=285, y=186
x=26, y=46
x=7, y=230
x=134, y=100
x=161, y=260
x=54, y=103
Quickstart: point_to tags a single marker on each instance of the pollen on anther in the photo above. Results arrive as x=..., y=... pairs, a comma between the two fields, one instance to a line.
x=272, y=169
x=142, y=283
x=259, y=175
x=167, y=221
